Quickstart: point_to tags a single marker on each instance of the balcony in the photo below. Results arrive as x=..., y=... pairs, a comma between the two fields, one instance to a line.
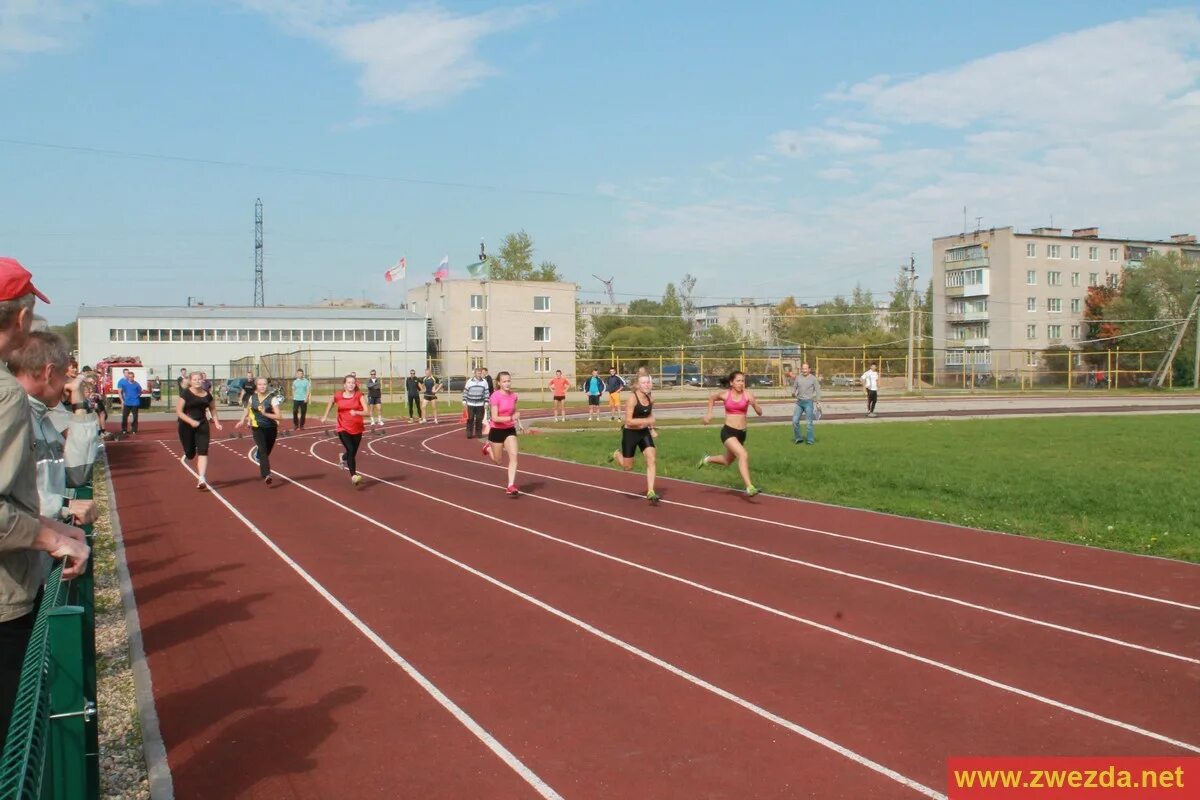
x=970, y=263
x=975, y=342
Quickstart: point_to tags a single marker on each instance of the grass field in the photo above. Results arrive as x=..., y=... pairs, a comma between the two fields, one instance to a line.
x=1122, y=482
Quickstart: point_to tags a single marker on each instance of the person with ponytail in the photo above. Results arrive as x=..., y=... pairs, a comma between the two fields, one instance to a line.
x=504, y=424
x=638, y=433
x=737, y=402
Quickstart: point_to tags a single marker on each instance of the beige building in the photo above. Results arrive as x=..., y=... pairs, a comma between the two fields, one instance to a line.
x=1000, y=295
x=753, y=318
x=590, y=309
x=524, y=327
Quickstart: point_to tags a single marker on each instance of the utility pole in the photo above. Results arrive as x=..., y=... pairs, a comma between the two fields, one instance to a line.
x=909, y=372
x=258, y=255
x=1164, y=368
x=1196, y=357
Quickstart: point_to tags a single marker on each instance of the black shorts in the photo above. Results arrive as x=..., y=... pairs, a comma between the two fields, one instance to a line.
x=593, y=399
x=430, y=397
x=560, y=397
x=728, y=432
x=374, y=401
x=634, y=439
x=194, y=440
x=498, y=435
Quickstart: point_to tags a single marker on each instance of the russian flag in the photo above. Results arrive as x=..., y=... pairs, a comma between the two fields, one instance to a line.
x=443, y=270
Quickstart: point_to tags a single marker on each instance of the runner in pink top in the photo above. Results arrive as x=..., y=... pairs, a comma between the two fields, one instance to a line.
x=506, y=421
x=351, y=408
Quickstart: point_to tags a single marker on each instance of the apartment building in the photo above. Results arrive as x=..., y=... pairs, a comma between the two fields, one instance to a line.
x=525, y=327
x=753, y=318
x=590, y=309
x=999, y=295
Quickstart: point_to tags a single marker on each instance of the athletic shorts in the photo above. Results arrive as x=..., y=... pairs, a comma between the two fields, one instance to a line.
x=614, y=399
x=374, y=401
x=429, y=397
x=593, y=399
x=560, y=397
x=728, y=432
x=498, y=435
x=193, y=440
x=634, y=439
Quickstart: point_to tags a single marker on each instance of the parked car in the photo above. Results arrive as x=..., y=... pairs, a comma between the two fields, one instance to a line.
x=842, y=379
x=759, y=380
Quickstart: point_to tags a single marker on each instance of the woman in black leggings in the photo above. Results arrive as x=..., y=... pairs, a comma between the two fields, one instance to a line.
x=262, y=413
x=194, y=408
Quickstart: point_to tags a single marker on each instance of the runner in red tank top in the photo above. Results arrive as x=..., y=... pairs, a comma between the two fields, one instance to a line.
x=351, y=408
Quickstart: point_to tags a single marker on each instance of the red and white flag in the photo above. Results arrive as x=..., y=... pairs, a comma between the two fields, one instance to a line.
x=396, y=272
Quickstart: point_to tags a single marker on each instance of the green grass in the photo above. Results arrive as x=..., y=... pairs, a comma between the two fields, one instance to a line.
x=1121, y=482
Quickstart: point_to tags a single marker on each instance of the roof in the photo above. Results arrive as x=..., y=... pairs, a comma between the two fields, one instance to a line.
x=244, y=312
x=976, y=235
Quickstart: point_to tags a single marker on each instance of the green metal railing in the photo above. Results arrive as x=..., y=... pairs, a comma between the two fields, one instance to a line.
x=52, y=749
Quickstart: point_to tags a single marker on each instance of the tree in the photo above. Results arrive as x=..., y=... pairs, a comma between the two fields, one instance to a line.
x=69, y=333
x=515, y=261
x=898, y=306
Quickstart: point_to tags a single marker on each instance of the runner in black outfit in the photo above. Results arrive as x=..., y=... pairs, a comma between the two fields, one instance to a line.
x=638, y=433
x=262, y=413
x=193, y=408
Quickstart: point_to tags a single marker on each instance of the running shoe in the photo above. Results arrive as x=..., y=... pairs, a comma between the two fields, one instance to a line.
x=512, y=490
x=267, y=480
x=201, y=486
x=652, y=498
x=487, y=450
x=342, y=461
x=751, y=491
x=356, y=479
x=703, y=462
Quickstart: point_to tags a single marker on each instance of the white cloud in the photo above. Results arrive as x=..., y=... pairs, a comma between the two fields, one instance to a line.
x=39, y=26
x=415, y=58
x=798, y=144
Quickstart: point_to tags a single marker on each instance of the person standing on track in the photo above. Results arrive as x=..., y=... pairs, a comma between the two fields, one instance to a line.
x=475, y=398
x=351, y=408
x=431, y=386
x=613, y=385
x=505, y=422
x=262, y=413
x=301, y=386
x=870, y=380
x=558, y=390
x=737, y=402
x=193, y=408
x=638, y=433
x=593, y=387
x=375, y=399
x=806, y=388
x=487, y=378
x=247, y=387
x=412, y=391
x=131, y=401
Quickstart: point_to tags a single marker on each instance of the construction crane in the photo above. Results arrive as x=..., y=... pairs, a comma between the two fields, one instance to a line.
x=608, y=288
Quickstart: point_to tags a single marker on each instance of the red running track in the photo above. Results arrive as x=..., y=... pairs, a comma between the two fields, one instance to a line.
x=427, y=636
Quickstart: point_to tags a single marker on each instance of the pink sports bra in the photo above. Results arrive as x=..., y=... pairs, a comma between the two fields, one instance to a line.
x=736, y=406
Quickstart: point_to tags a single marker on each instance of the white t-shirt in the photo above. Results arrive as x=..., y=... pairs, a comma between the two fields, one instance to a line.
x=870, y=380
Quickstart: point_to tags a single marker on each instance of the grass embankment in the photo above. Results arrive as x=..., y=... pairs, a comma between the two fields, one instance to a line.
x=1121, y=482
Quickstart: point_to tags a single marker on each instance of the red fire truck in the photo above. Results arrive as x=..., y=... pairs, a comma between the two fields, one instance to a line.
x=112, y=369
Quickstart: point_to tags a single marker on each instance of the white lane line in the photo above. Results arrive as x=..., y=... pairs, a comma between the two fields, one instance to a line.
x=760, y=606
x=833, y=534
x=831, y=570
x=528, y=775
x=626, y=646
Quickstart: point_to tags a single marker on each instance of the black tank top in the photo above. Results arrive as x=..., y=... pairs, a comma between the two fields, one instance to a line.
x=642, y=411
x=195, y=405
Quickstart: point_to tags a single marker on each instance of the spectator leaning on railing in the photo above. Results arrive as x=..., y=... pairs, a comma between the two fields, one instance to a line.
x=24, y=533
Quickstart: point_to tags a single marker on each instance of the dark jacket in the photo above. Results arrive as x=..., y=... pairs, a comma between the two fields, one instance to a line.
x=614, y=383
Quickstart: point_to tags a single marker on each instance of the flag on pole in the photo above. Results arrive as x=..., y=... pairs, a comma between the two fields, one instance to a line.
x=443, y=270
x=478, y=270
x=396, y=272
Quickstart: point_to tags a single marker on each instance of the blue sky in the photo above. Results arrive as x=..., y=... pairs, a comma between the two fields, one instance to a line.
x=767, y=148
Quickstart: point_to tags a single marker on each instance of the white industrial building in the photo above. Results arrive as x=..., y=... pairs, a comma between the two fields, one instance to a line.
x=327, y=342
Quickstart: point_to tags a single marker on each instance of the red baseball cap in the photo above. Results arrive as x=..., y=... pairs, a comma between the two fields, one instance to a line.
x=16, y=281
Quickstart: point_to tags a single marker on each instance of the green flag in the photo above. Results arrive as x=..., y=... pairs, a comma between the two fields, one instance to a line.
x=478, y=270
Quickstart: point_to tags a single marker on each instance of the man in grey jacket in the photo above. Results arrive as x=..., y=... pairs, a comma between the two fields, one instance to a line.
x=25, y=535
x=806, y=388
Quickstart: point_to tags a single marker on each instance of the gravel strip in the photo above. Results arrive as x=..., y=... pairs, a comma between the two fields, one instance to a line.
x=122, y=763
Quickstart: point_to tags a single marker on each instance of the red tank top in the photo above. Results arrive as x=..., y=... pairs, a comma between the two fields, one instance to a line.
x=350, y=423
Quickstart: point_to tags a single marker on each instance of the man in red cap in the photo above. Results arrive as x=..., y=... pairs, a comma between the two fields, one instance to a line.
x=24, y=534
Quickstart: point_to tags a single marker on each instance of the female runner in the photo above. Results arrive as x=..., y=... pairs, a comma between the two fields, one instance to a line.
x=193, y=408
x=737, y=402
x=351, y=408
x=638, y=433
x=505, y=422
x=262, y=414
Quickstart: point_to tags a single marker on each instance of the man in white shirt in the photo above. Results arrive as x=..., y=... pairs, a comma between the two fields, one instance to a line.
x=870, y=380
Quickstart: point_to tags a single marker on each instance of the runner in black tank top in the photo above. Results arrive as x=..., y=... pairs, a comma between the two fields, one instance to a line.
x=193, y=409
x=638, y=433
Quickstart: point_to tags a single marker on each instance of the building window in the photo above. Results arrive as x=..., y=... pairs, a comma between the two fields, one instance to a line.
x=1076, y=305
x=1031, y=304
x=965, y=253
x=954, y=358
x=1031, y=331
x=1053, y=278
x=1031, y=358
x=1054, y=331
x=308, y=334
x=1030, y=250
x=1074, y=252
x=295, y=335
x=1112, y=254
x=541, y=303
x=1093, y=279
x=1074, y=278
x=476, y=362
x=476, y=333
x=112, y=335
x=1075, y=332
x=1031, y=277
x=1093, y=254
x=176, y=335
x=222, y=334
x=339, y=335
x=541, y=364
x=276, y=335
x=541, y=334
x=1054, y=304
x=1054, y=251
x=478, y=303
